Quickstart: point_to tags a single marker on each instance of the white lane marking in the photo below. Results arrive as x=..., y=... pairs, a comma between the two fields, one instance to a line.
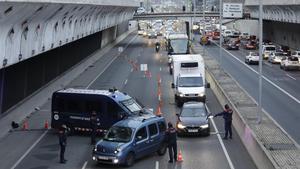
x=89, y=85
x=221, y=142
x=160, y=69
x=28, y=151
x=272, y=83
x=291, y=77
x=84, y=165
x=156, y=165
x=131, y=70
x=125, y=82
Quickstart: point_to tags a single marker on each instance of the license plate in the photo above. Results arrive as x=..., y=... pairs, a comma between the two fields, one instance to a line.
x=102, y=158
x=193, y=131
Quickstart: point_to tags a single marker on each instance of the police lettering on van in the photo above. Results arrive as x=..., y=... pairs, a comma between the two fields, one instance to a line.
x=74, y=107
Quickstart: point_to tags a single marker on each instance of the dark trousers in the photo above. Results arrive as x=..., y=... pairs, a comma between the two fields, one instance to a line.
x=173, y=152
x=228, y=129
x=93, y=136
x=62, y=153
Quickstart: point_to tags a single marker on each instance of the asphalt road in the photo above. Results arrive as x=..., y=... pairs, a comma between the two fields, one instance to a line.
x=280, y=89
x=198, y=152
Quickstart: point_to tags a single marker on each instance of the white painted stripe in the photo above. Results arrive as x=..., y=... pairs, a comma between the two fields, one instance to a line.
x=291, y=77
x=160, y=69
x=156, y=165
x=125, y=82
x=272, y=83
x=131, y=70
x=221, y=142
x=84, y=165
x=28, y=151
x=89, y=85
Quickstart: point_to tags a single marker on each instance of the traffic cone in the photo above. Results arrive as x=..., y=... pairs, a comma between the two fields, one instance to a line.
x=25, y=125
x=158, y=112
x=46, y=124
x=179, y=158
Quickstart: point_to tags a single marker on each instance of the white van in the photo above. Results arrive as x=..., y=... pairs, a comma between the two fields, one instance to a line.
x=188, y=78
x=267, y=50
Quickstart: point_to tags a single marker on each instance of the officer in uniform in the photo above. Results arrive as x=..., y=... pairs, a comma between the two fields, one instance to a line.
x=172, y=142
x=62, y=135
x=227, y=116
x=93, y=127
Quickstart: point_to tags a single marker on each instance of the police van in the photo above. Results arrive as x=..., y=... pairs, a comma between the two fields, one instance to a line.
x=74, y=107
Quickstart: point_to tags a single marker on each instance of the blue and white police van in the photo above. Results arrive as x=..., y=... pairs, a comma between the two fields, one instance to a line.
x=74, y=107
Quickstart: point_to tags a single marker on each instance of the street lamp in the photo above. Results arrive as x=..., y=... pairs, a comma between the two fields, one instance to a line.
x=259, y=111
x=220, y=29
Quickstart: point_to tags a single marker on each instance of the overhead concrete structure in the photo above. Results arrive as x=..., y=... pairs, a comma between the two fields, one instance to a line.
x=32, y=27
x=276, y=10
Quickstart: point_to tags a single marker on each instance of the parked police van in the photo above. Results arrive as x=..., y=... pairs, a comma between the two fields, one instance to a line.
x=74, y=107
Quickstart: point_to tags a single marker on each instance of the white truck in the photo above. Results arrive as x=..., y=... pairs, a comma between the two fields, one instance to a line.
x=189, y=78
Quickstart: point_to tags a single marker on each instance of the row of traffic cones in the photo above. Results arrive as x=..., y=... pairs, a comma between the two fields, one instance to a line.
x=26, y=125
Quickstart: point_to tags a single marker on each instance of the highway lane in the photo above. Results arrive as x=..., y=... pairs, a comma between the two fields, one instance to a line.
x=278, y=104
x=206, y=152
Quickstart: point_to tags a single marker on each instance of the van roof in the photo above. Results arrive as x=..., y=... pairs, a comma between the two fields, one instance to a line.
x=190, y=57
x=178, y=36
x=116, y=95
x=137, y=121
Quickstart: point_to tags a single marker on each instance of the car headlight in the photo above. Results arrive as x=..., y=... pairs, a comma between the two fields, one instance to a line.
x=117, y=151
x=95, y=149
x=201, y=94
x=204, y=126
x=180, y=94
x=180, y=126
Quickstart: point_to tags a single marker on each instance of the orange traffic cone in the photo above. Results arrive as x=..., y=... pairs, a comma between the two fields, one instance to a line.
x=46, y=124
x=158, y=112
x=25, y=125
x=179, y=158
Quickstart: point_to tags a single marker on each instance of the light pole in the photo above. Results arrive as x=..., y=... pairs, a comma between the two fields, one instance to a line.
x=220, y=29
x=203, y=32
x=259, y=111
x=193, y=20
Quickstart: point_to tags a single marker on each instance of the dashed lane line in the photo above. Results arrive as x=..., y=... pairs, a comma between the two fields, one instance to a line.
x=272, y=83
x=291, y=77
x=156, y=165
x=84, y=165
x=28, y=151
x=125, y=81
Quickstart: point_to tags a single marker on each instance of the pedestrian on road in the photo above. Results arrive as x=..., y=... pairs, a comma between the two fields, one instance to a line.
x=62, y=135
x=93, y=127
x=171, y=138
x=227, y=116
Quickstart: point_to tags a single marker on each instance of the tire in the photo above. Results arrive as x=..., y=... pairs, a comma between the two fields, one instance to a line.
x=129, y=160
x=162, y=150
x=281, y=66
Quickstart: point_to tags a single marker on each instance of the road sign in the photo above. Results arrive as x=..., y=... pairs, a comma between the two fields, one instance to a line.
x=120, y=49
x=232, y=10
x=144, y=67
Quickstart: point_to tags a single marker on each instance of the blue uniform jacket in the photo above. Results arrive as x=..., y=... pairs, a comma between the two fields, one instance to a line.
x=227, y=115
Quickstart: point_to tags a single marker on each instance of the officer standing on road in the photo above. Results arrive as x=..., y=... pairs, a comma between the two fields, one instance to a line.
x=62, y=135
x=93, y=127
x=172, y=142
x=227, y=116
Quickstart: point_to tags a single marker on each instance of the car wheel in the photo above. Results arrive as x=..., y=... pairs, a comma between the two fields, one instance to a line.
x=281, y=66
x=129, y=159
x=162, y=150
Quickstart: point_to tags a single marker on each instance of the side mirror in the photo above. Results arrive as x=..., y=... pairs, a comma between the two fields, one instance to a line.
x=173, y=85
x=208, y=85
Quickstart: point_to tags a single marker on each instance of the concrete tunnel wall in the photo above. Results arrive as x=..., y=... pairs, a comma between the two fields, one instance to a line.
x=23, y=79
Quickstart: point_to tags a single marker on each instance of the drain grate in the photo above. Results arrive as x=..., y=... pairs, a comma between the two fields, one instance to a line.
x=280, y=146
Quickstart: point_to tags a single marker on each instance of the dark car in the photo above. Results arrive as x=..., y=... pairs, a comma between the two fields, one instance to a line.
x=131, y=139
x=285, y=49
x=193, y=119
x=232, y=45
x=251, y=45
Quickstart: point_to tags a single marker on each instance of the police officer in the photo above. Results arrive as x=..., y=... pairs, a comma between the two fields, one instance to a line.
x=93, y=127
x=227, y=116
x=62, y=135
x=172, y=142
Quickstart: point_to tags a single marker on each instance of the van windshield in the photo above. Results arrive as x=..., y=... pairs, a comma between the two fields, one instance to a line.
x=118, y=134
x=190, y=82
x=132, y=105
x=179, y=46
x=270, y=48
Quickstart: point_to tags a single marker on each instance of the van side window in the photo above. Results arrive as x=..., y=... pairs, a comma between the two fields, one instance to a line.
x=152, y=129
x=162, y=126
x=141, y=134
